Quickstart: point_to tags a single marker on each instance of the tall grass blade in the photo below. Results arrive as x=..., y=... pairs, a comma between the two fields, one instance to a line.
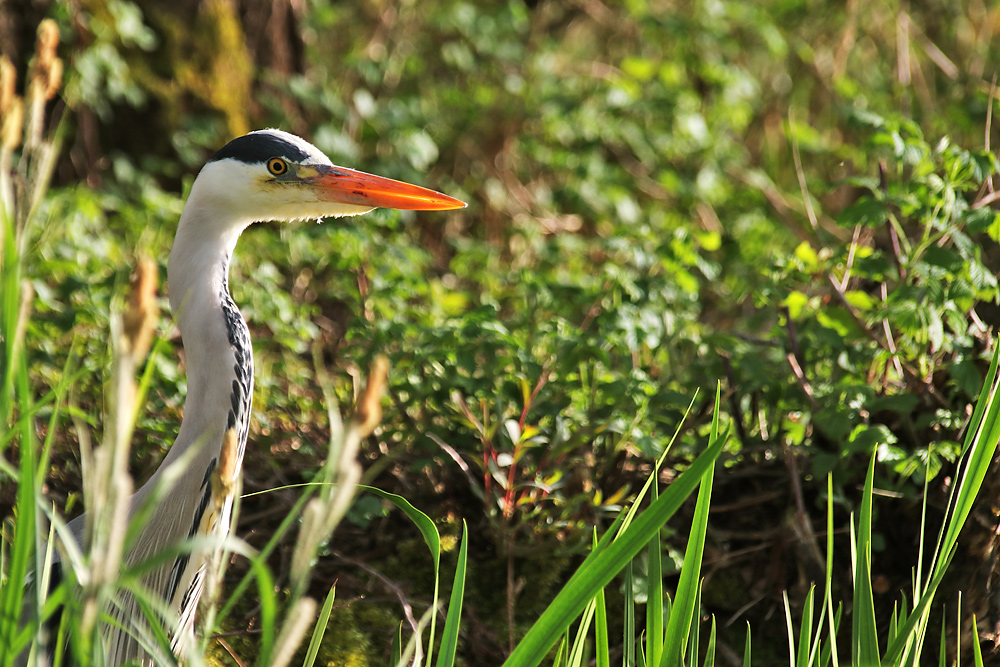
x=433, y=540
x=747, y=662
x=694, y=636
x=710, y=649
x=978, y=450
x=805, y=631
x=629, y=638
x=602, y=646
x=788, y=628
x=977, y=651
x=320, y=630
x=598, y=570
x=864, y=636
x=396, y=648
x=654, y=595
x=684, y=613
x=12, y=595
x=452, y=622
x=578, y=649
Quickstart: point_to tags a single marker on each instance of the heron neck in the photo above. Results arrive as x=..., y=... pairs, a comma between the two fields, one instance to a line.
x=217, y=349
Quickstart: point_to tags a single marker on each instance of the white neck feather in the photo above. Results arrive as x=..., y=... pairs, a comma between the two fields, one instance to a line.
x=197, y=276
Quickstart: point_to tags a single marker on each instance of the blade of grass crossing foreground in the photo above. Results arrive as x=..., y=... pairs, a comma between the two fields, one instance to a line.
x=828, y=647
x=597, y=571
x=982, y=403
x=602, y=646
x=452, y=623
x=268, y=607
x=893, y=623
x=654, y=596
x=396, y=649
x=433, y=540
x=291, y=518
x=980, y=445
x=629, y=638
x=628, y=516
x=980, y=454
x=694, y=637
x=943, y=652
x=865, y=635
x=12, y=596
x=826, y=608
x=560, y=660
x=10, y=304
x=710, y=649
x=788, y=628
x=805, y=630
x=977, y=651
x=746, y=649
x=684, y=612
x=320, y=630
x=578, y=649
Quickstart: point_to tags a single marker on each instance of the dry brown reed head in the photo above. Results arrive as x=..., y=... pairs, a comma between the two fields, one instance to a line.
x=11, y=108
x=142, y=312
x=368, y=412
x=47, y=68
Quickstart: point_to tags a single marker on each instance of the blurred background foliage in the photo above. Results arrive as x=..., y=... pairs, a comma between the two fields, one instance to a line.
x=792, y=197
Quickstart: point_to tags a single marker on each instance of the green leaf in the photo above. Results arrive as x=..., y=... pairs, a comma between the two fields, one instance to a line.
x=866, y=211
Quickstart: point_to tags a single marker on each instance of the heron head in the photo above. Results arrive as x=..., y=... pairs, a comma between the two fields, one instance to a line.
x=274, y=175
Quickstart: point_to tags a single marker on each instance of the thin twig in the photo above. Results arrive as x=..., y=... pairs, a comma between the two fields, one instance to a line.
x=800, y=174
x=388, y=583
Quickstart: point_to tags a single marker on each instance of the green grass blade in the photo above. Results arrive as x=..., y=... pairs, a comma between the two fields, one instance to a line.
x=433, y=540
x=943, y=651
x=602, y=646
x=982, y=403
x=864, y=636
x=710, y=649
x=268, y=608
x=694, y=636
x=597, y=572
x=578, y=649
x=788, y=628
x=977, y=651
x=12, y=595
x=396, y=649
x=561, y=653
x=980, y=446
x=320, y=630
x=628, y=626
x=805, y=630
x=684, y=613
x=654, y=596
x=452, y=623
x=826, y=608
x=628, y=516
x=828, y=654
x=747, y=662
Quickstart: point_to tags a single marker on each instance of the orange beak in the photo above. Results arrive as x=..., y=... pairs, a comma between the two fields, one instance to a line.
x=348, y=186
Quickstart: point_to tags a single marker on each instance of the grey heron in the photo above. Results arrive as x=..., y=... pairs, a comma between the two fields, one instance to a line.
x=268, y=175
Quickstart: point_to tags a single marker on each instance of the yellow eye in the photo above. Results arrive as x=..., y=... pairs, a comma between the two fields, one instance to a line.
x=277, y=166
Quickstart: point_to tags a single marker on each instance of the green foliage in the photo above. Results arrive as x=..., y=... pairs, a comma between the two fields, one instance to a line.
x=660, y=196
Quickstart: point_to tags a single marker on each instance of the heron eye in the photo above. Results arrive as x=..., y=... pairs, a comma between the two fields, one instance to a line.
x=277, y=166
